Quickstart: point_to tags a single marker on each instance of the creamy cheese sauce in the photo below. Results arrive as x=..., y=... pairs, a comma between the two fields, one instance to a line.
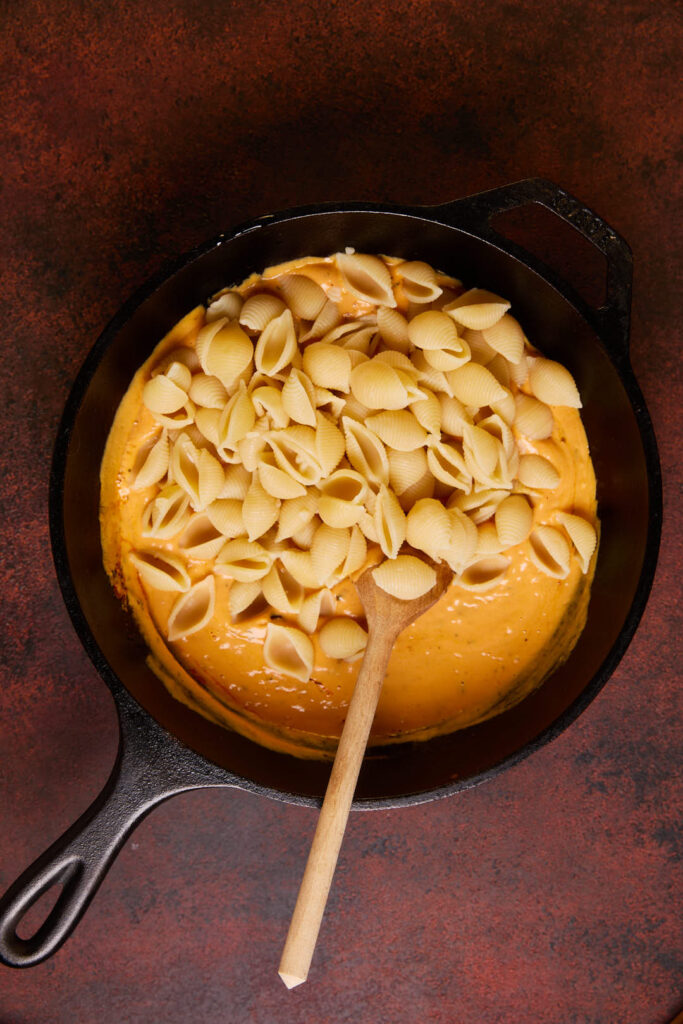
x=469, y=657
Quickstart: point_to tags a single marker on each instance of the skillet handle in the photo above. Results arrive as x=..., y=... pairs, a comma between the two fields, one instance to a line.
x=150, y=767
x=612, y=320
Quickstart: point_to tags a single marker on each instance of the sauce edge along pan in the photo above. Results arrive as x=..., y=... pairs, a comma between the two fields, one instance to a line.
x=165, y=748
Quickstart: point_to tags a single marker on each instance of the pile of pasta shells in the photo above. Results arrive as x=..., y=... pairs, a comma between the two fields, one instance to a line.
x=317, y=426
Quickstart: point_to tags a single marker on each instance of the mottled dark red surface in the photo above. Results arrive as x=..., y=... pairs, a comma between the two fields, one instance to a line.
x=131, y=132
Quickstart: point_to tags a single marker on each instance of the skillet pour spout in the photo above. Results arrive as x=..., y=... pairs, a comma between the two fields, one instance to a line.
x=164, y=747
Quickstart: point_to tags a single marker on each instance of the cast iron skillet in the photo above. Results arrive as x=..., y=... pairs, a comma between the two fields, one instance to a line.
x=164, y=748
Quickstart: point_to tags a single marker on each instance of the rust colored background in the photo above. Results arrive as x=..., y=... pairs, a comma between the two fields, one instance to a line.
x=128, y=134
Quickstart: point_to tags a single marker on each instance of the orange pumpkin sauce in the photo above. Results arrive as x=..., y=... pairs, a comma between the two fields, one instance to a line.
x=469, y=657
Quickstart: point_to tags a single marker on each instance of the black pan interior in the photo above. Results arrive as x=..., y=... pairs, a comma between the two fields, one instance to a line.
x=411, y=771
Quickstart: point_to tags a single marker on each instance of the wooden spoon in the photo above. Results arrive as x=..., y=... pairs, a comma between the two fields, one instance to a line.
x=386, y=616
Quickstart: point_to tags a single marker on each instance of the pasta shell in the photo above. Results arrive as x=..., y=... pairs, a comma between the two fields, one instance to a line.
x=299, y=565
x=500, y=368
x=329, y=549
x=366, y=524
x=179, y=374
x=534, y=419
x=243, y=560
x=506, y=408
x=433, y=331
x=333, y=404
x=488, y=541
x=428, y=526
x=224, y=307
x=226, y=353
x=208, y=392
x=161, y=571
x=276, y=347
x=304, y=296
x=405, y=577
x=378, y=385
x=390, y=522
x=328, y=366
x=180, y=420
x=367, y=277
x=210, y=479
x=419, y=281
x=422, y=488
x=393, y=329
x=507, y=337
x=480, y=350
x=355, y=409
x=258, y=310
x=295, y=513
x=365, y=451
x=294, y=454
x=427, y=411
x=277, y=483
x=538, y=473
x=155, y=466
x=303, y=538
x=237, y=481
x=187, y=356
x=498, y=428
x=289, y=651
x=237, y=419
x=161, y=395
x=328, y=318
x=398, y=360
x=242, y=596
x=249, y=450
x=185, y=469
x=225, y=514
x=480, y=505
x=342, y=638
x=406, y=468
x=200, y=538
x=582, y=534
x=354, y=335
x=207, y=422
x=514, y=519
x=398, y=429
x=474, y=385
x=549, y=551
x=267, y=401
x=553, y=384
x=166, y=514
x=484, y=574
x=454, y=416
x=519, y=372
x=321, y=602
x=428, y=376
x=259, y=511
x=357, y=553
x=329, y=444
x=448, y=358
x=462, y=542
x=193, y=610
x=341, y=498
x=477, y=309
x=298, y=398
x=447, y=464
x=282, y=591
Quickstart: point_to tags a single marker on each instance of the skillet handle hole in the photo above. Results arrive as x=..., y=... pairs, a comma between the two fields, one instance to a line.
x=39, y=912
x=559, y=245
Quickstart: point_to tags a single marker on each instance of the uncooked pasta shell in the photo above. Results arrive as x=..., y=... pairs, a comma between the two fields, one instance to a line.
x=405, y=577
x=289, y=651
x=582, y=534
x=367, y=277
x=258, y=310
x=483, y=574
x=553, y=384
x=477, y=309
x=342, y=637
x=507, y=337
x=549, y=551
x=474, y=385
x=161, y=571
x=398, y=429
x=243, y=560
x=193, y=610
x=538, y=473
x=277, y=345
x=514, y=519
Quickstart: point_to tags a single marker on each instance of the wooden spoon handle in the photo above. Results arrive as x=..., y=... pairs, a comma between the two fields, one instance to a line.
x=322, y=859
